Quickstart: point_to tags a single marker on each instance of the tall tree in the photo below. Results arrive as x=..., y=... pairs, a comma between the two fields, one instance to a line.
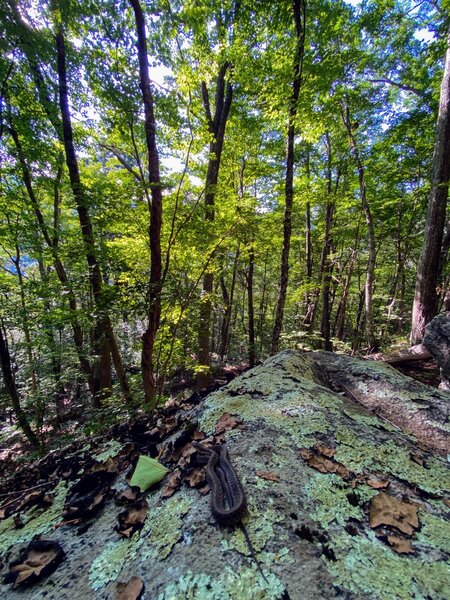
x=299, y=12
x=216, y=127
x=428, y=274
x=155, y=209
x=104, y=335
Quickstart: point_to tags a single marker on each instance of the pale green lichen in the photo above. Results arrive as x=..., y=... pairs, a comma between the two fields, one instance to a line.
x=364, y=564
x=434, y=532
x=161, y=531
x=230, y=585
x=37, y=521
x=259, y=525
x=109, y=450
x=359, y=455
x=108, y=564
x=163, y=527
x=330, y=496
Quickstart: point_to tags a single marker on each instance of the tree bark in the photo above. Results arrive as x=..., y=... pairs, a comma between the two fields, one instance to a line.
x=13, y=392
x=106, y=342
x=52, y=242
x=325, y=266
x=216, y=126
x=228, y=305
x=299, y=10
x=368, y=290
x=426, y=298
x=155, y=209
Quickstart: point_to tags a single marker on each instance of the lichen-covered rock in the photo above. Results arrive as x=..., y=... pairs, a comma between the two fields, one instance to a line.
x=310, y=460
x=437, y=342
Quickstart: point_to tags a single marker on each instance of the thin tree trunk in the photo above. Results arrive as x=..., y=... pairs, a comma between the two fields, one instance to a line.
x=251, y=308
x=325, y=266
x=12, y=390
x=263, y=305
x=425, y=303
x=299, y=9
x=368, y=300
x=25, y=321
x=106, y=341
x=228, y=302
x=155, y=209
x=61, y=273
x=216, y=126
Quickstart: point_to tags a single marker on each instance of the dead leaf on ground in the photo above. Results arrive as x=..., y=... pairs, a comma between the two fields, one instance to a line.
x=110, y=466
x=227, y=422
x=133, y=519
x=172, y=485
x=198, y=435
x=269, y=475
x=168, y=424
x=446, y=501
x=130, y=494
x=34, y=498
x=88, y=495
x=400, y=545
x=131, y=590
x=39, y=559
x=377, y=485
x=325, y=450
x=387, y=510
x=196, y=477
x=324, y=464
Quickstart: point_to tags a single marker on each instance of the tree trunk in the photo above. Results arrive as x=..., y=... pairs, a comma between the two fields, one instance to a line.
x=228, y=305
x=61, y=273
x=425, y=303
x=325, y=266
x=368, y=293
x=216, y=126
x=13, y=392
x=251, y=308
x=155, y=209
x=299, y=10
x=106, y=338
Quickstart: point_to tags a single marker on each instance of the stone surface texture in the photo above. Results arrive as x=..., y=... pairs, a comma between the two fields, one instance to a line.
x=310, y=529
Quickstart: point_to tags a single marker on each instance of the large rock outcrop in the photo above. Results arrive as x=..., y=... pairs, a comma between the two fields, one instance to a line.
x=342, y=462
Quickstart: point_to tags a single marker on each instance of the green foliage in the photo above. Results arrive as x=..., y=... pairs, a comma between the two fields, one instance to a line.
x=373, y=57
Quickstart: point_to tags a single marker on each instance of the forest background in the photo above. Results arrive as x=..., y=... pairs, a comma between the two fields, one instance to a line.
x=186, y=183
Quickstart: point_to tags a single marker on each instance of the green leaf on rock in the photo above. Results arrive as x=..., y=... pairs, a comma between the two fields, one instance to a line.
x=148, y=471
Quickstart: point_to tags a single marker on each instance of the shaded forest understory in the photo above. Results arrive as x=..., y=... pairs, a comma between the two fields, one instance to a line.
x=189, y=185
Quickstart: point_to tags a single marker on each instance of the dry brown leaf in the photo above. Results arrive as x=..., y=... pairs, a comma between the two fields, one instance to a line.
x=377, y=485
x=198, y=435
x=196, y=477
x=110, y=466
x=128, y=495
x=131, y=590
x=203, y=490
x=325, y=450
x=227, y=422
x=40, y=558
x=305, y=453
x=172, y=485
x=269, y=475
x=387, y=510
x=133, y=519
x=400, y=545
x=446, y=502
x=325, y=465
